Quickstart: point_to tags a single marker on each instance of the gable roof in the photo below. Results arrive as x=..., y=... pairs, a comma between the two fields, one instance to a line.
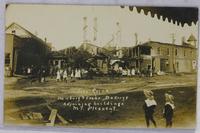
x=169, y=44
x=192, y=38
x=89, y=45
x=57, y=55
x=24, y=32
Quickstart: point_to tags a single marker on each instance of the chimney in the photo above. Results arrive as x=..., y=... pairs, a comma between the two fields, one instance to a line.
x=173, y=38
x=85, y=27
x=118, y=35
x=95, y=29
x=136, y=39
x=183, y=40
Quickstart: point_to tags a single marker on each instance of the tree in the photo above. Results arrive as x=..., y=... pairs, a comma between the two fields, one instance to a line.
x=78, y=59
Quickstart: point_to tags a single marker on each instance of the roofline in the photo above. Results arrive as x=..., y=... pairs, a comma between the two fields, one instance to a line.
x=93, y=45
x=90, y=44
x=192, y=36
x=13, y=35
x=31, y=34
x=171, y=44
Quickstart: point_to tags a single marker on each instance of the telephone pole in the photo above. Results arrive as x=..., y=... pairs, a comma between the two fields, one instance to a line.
x=95, y=29
x=85, y=26
x=173, y=38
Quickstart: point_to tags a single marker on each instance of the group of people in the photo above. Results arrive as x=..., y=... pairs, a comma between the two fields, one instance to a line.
x=150, y=105
x=127, y=72
x=132, y=71
x=60, y=74
x=64, y=75
x=35, y=73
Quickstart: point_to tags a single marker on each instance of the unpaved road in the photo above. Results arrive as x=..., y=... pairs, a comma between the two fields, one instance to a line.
x=20, y=94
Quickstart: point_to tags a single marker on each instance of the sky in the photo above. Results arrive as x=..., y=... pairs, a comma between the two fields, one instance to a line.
x=62, y=25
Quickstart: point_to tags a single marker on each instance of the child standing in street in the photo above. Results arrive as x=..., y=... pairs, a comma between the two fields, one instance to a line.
x=168, y=109
x=149, y=107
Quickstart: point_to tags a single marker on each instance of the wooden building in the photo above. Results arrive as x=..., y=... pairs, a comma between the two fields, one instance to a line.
x=24, y=49
x=165, y=57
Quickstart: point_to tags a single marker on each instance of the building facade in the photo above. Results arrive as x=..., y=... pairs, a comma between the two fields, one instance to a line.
x=23, y=49
x=164, y=57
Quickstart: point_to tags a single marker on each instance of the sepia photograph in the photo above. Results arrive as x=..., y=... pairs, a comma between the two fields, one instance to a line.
x=89, y=66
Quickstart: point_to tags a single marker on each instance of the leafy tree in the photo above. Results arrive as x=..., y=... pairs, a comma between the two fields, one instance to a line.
x=77, y=58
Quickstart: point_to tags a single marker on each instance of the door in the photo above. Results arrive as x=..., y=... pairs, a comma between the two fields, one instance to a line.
x=164, y=65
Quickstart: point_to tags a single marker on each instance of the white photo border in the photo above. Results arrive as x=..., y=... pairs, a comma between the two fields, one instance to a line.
x=9, y=129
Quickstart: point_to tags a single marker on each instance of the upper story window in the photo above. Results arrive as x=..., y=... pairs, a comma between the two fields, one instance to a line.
x=158, y=50
x=145, y=50
x=191, y=53
x=167, y=51
x=176, y=51
x=7, y=58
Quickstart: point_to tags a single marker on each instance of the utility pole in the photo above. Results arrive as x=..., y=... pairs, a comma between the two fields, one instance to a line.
x=85, y=26
x=173, y=38
x=173, y=53
x=183, y=39
x=136, y=38
x=118, y=37
x=95, y=29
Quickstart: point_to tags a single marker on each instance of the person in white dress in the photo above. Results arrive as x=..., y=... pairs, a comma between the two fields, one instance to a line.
x=61, y=74
x=65, y=75
x=72, y=74
x=129, y=72
x=133, y=72
x=77, y=73
x=124, y=72
x=58, y=76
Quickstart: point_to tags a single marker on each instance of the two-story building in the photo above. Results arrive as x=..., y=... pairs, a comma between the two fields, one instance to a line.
x=165, y=57
x=23, y=49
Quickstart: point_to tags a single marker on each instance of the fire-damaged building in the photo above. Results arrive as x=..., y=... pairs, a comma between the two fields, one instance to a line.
x=23, y=49
x=165, y=57
x=100, y=56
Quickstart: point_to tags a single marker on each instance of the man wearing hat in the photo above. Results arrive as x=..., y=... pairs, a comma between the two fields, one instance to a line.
x=168, y=109
x=149, y=107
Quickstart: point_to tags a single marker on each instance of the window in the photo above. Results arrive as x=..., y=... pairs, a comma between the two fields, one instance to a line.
x=191, y=53
x=158, y=50
x=145, y=50
x=7, y=58
x=176, y=52
x=177, y=66
x=167, y=51
x=184, y=52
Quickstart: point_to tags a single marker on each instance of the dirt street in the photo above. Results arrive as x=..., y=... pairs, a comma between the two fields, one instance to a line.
x=22, y=96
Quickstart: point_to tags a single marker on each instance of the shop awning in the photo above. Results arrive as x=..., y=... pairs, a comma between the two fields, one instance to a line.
x=180, y=14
